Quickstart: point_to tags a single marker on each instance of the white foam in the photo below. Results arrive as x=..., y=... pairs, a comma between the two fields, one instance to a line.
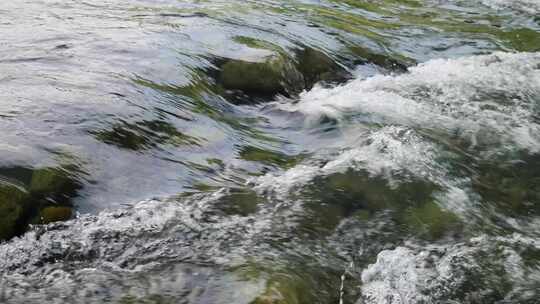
x=396, y=277
x=486, y=99
x=384, y=152
x=527, y=6
x=489, y=102
x=138, y=250
x=429, y=274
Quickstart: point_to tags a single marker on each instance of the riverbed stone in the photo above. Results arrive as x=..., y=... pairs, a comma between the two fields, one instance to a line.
x=317, y=66
x=280, y=293
x=55, y=214
x=12, y=208
x=273, y=75
x=430, y=221
x=48, y=180
x=53, y=183
x=387, y=61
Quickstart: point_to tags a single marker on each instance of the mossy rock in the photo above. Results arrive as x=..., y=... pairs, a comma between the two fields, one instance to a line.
x=430, y=221
x=301, y=283
x=331, y=199
x=239, y=202
x=356, y=190
x=49, y=180
x=54, y=214
x=274, y=75
x=387, y=61
x=280, y=293
x=27, y=200
x=282, y=286
x=280, y=73
x=298, y=278
x=12, y=209
x=269, y=157
x=513, y=187
x=317, y=66
x=142, y=135
x=522, y=39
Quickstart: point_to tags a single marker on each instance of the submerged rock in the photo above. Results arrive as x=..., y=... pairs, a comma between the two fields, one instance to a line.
x=38, y=196
x=55, y=214
x=510, y=186
x=274, y=75
x=302, y=282
x=316, y=66
x=12, y=209
x=386, y=61
x=281, y=72
x=142, y=135
x=430, y=221
x=269, y=157
x=411, y=204
x=49, y=180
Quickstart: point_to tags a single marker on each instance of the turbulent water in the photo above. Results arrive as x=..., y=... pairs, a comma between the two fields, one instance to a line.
x=399, y=161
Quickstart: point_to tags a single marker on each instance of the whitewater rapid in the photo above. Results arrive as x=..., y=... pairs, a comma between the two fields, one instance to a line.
x=415, y=125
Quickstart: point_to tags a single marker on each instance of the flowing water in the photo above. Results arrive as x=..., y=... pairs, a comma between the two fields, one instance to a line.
x=150, y=152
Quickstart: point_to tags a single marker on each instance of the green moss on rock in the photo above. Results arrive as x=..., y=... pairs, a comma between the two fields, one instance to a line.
x=430, y=221
x=282, y=292
x=409, y=203
x=258, y=44
x=269, y=157
x=239, y=202
x=277, y=74
x=317, y=66
x=522, y=39
x=55, y=214
x=12, y=208
x=305, y=282
x=49, y=180
x=387, y=61
x=513, y=187
x=142, y=135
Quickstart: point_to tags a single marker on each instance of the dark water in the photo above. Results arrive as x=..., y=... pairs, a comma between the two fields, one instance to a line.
x=270, y=151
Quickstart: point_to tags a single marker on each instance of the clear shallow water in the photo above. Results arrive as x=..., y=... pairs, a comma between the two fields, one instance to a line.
x=391, y=185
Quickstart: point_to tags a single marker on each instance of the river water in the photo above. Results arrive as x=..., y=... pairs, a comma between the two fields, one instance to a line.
x=396, y=161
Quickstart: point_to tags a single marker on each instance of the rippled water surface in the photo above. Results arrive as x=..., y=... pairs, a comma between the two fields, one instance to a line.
x=338, y=151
